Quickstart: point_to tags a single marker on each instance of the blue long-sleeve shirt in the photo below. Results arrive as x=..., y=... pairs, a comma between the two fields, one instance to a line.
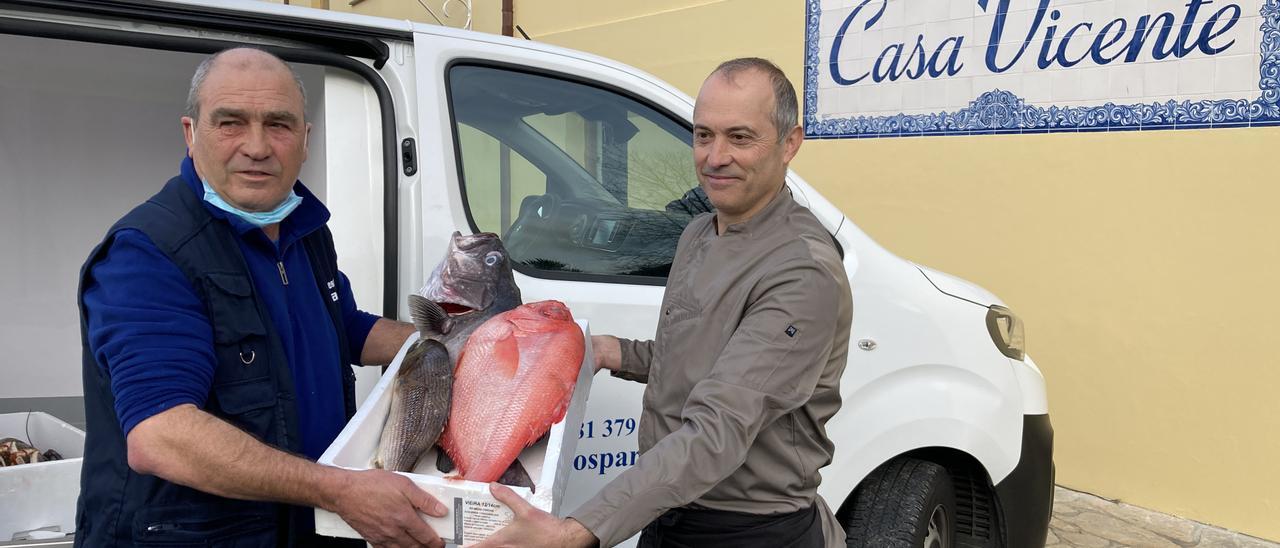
x=149, y=329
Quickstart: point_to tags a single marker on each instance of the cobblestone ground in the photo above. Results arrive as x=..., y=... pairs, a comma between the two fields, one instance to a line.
x=1081, y=520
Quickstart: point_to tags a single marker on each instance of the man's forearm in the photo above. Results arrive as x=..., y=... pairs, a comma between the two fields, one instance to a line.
x=384, y=341
x=190, y=447
x=634, y=359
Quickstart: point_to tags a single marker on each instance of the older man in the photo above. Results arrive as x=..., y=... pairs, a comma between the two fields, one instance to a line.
x=745, y=370
x=218, y=334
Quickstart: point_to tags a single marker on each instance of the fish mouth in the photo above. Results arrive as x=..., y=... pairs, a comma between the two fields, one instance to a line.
x=455, y=309
x=453, y=299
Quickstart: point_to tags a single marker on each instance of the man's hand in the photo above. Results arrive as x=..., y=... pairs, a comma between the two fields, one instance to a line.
x=383, y=507
x=608, y=352
x=533, y=527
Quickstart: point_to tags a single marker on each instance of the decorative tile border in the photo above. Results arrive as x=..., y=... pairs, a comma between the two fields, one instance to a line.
x=999, y=111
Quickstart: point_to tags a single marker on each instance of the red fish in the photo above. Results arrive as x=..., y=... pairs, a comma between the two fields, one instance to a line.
x=512, y=382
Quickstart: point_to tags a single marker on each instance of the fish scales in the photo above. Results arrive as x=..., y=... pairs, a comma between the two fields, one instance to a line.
x=512, y=382
x=419, y=406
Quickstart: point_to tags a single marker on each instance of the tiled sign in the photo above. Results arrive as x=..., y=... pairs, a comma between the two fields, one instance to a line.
x=894, y=68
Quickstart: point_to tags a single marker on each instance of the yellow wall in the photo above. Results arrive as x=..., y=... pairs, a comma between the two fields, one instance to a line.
x=486, y=14
x=1144, y=263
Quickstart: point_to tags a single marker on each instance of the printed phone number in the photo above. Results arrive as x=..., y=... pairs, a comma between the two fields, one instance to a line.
x=608, y=428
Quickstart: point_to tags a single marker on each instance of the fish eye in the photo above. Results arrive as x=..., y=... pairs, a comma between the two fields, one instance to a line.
x=492, y=258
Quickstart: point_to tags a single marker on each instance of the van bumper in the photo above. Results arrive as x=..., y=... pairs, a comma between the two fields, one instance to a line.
x=1026, y=494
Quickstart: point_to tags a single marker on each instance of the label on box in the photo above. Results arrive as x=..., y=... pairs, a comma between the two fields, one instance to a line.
x=474, y=520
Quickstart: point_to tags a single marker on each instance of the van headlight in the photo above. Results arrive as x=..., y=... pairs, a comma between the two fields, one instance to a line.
x=1006, y=332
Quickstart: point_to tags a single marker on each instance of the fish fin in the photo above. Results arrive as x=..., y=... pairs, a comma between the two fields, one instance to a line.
x=559, y=413
x=516, y=475
x=556, y=416
x=507, y=353
x=428, y=316
x=543, y=437
x=546, y=432
x=443, y=463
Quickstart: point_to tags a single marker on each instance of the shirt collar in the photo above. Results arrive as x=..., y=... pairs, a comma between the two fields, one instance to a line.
x=310, y=215
x=776, y=209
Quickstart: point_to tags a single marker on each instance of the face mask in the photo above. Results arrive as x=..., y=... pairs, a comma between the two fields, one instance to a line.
x=258, y=219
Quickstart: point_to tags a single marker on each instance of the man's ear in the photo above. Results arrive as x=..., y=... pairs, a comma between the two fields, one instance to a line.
x=306, y=138
x=791, y=144
x=189, y=132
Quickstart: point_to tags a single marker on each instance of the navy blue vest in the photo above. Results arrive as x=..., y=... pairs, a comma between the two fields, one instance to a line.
x=252, y=389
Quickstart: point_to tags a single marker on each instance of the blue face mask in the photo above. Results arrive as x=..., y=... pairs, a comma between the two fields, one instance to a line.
x=255, y=218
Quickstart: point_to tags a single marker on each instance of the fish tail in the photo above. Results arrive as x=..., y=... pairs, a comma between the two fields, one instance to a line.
x=516, y=475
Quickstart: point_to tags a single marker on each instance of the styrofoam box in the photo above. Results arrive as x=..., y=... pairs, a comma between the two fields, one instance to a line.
x=473, y=512
x=41, y=495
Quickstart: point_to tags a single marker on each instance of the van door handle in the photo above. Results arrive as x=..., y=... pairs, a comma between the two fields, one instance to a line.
x=409, y=156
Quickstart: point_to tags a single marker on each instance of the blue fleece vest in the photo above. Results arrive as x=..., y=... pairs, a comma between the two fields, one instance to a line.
x=252, y=388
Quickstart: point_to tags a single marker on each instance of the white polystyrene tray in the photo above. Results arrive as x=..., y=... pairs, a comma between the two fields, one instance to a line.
x=473, y=513
x=41, y=495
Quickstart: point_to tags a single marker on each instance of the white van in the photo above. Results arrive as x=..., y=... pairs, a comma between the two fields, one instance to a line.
x=582, y=163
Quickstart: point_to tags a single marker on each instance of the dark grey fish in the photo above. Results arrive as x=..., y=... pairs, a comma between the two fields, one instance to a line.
x=419, y=406
x=472, y=284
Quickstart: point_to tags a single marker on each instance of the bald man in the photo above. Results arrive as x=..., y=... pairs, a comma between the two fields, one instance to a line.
x=218, y=340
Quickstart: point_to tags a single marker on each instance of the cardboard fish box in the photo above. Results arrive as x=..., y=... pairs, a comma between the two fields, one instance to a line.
x=473, y=513
x=40, y=498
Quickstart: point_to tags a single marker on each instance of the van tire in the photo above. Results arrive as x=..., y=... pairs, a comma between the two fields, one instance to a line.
x=905, y=503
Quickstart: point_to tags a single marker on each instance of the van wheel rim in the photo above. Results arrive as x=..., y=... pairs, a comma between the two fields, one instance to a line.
x=938, y=529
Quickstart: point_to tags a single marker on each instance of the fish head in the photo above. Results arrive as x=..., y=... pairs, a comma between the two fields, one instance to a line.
x=475, y=272
x=553, y=310
x=541, y=315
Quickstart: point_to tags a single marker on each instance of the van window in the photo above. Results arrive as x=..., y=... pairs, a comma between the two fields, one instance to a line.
x=576, y=179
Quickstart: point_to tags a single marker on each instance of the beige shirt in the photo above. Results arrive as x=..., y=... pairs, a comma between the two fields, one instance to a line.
x=742, y=376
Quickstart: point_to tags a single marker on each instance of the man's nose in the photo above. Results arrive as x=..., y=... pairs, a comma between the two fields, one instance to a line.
x=256, y=144
x=718, y=154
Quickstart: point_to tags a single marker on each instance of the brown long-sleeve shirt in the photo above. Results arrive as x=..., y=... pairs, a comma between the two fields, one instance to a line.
x=742, y=376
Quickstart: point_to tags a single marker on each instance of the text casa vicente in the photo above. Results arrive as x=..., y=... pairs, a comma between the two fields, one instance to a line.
x=1043, y=37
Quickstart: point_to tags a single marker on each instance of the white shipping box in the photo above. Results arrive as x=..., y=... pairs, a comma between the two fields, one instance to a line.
x=473, y=513
x=41, y=495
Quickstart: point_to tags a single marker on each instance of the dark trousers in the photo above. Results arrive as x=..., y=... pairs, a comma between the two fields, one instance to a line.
x=698, y=528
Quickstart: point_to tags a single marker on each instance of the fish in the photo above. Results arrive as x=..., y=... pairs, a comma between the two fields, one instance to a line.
x=473, y=283
x=419, y=406
x=513, y=380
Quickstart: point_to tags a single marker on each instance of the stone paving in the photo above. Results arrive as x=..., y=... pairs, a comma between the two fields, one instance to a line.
x=1081, y=520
